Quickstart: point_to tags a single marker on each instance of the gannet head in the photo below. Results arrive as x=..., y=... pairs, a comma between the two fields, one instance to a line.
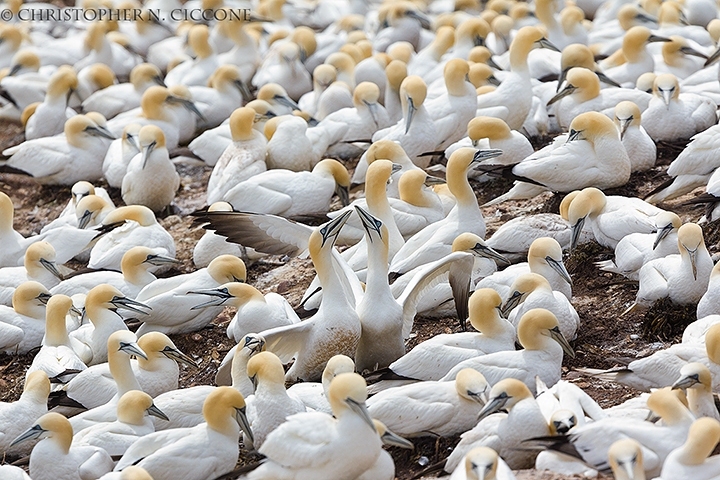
x=504, y=394
x=481, y=463
x=547, y=250
x=412, y=184
x=469, y=242
x=233, y=294
x=37, y=386
x=30, y=298
x=226, y=403
x=136, y=213
x=702, y=437
x=690, y=241
x=579, y=79
x=58, y=307
x=444, y=39
x=379, y=172
x=579, y=55
x=630, y=15
x=79, y=128
x=289, y=53
x=592, y=126
x=455, y=73
x=348, y=393
x=626, y=113
x=80, y=190
x=589, y=201
x=39, y=256
x=525, y=40
x=665, y=403
x=665, y=222
x=227, y=268
x=561, y=421
x=626, y=459
x=667, y=87
x=266, y=368
x=134, y=472
x=241, y=124
x=142, y=258
x=252, y=344
x=324, y=236
x=339, y=173
x=198, y=41
x=134, y=405
x=484, y=308
x=22, y=61
x=645, y=82
x=95, y=36
x=159, y=345
x=124, y=341
x=342, y=62
x=387, y=150
x=474, y=30
x=694, y=375
x=636, y=39
x=471, y=385
x=412, y=95
x=538, y=323
x=366, y=94
x=227, y=75
x=396, y=71
x=263, y=110
x=62, y=83
x=11, y=35
x=181, y=95
x=481, y=75
x=107, y=297
x=335, y=366
x=480, y=55
x=523, y=286
x=275, y=94
x=305, y=39
x=674, y=50
x=671, y=14
x=323, y=76
x=101, y=75
x=150, y=138
x=53, y=426
x=570, y=17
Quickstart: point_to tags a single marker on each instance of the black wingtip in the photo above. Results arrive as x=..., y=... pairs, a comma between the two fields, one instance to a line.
x=60, y=399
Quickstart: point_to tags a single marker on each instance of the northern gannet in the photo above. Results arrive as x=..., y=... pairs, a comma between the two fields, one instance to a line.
x=39, y=266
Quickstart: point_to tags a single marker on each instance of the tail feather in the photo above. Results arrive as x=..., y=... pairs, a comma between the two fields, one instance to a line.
x=505, y=171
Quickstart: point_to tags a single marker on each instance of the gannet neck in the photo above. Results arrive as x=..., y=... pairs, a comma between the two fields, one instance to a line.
x=484, y=311
x=119, y=364
x=456, y=70
x=712, y=343
x=456, y=175
x=37, y=387
x=545, y=12
x=396, y=71
x=377, y=283
x=198, y=41
x=444, y=39
x=376, y=178
x=6, y=214
x=56, y=310
x=703, y=435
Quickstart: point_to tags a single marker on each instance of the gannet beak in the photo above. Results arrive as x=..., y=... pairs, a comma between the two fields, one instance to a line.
x=51, y=267
x=133, y=139
x=333, y=227
x=15, y=69
x=393, y=440
x=409, y=114
x=513, y=301
x=693, y=261
x=713, y=58
x=662, y=233
x=481, y=471
x=130, y=304
x=158, y=80
x=559, y=267
x=556, y=335
x=431, y=180
x=492, y=80
x=177, y=355
x=187, y=104
x=69, y=94
x=360, y=409
x=644, y=17
x=344, y=194
x=100, y=132
x=424, y=21
x=133, y=348
x=373, y=108
x=576, y=231
x=657, y=38
x=491, y=63
x=156, y=412
x=562, y=94
x=31, y=433
x=545, y=43
x=146, y=151
x=561, y=78
x=158, y=260
x=574, y=135
x=667, y=96
x=254, y=344
x=241, y=419
x=493, y=405
x=84, y=219
x=686, y=382
x=75, y=312
x=482, y=155
x=480, y=397
x=244, y=90
x=484, y=251
x=221, y=296
x=396, y=167
x=282, y=99
x=369, y=222
x=607, y=80
x=691, y=51
x=624, y=124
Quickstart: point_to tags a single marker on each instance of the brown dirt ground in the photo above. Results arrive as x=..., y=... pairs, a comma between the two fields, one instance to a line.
x=605, y=339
